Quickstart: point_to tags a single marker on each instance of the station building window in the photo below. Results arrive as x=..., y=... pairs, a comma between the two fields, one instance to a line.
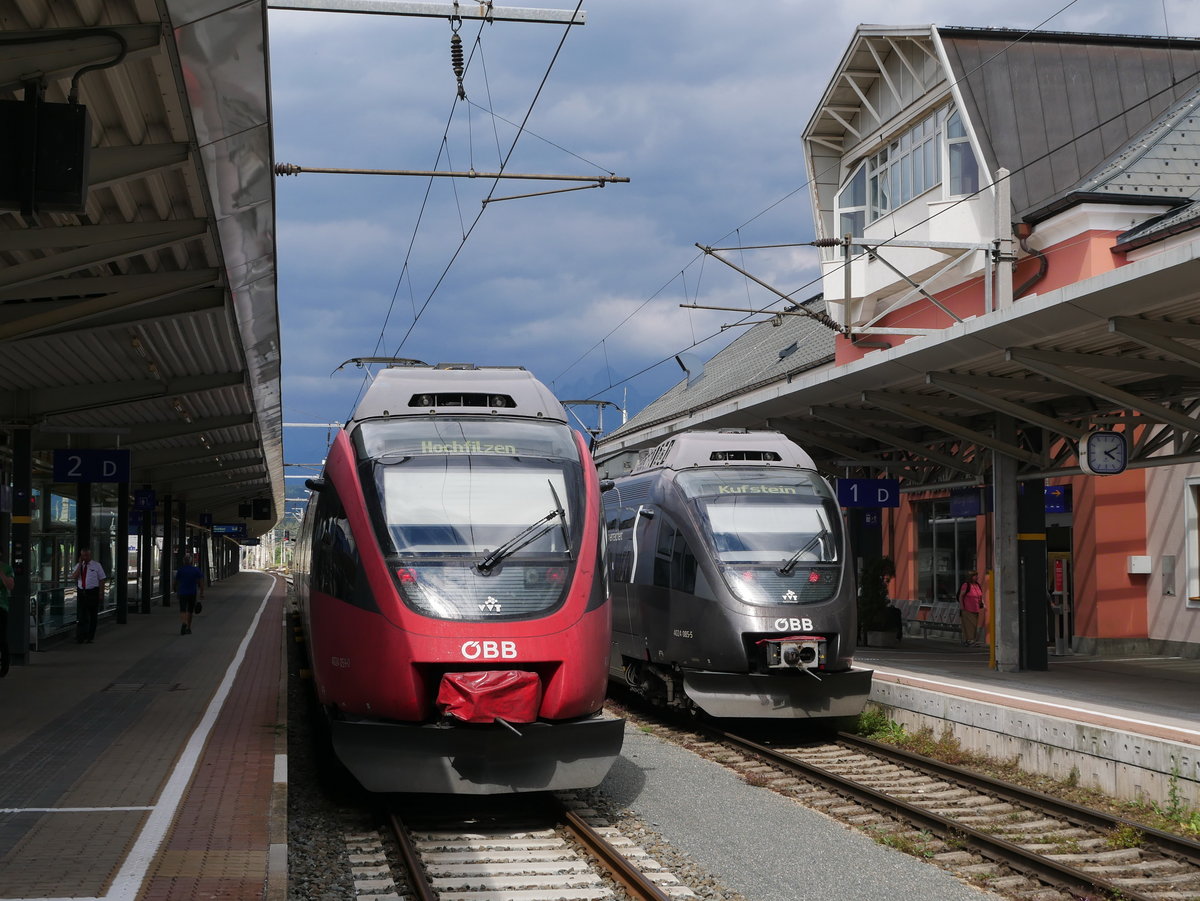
x=964, y=169
x=852, y=204
x=945, y=550
x=53, y=552
x=934, y=152
x=1192, y=527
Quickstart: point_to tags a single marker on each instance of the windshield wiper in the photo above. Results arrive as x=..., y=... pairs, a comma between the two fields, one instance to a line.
x=528, y=535
x=562, y=517
x=787, y=567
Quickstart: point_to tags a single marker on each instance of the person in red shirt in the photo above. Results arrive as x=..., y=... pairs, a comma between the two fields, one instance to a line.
x=970, y=608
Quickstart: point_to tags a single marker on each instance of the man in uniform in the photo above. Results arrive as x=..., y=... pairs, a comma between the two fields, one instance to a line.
x=89, y=579
x=6, y=587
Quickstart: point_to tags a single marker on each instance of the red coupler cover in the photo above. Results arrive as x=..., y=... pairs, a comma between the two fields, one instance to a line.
x=481, y=697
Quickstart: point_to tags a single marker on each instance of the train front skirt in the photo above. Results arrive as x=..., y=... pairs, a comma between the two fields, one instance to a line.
x=799, y=696
x=479, y=759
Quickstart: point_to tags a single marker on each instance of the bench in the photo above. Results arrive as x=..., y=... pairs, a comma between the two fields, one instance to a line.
x=909, y=608
x=922, y=617
x=939, y=617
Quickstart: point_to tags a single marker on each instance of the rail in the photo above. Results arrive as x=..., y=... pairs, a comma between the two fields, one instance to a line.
x=1022, y=859
x=636, y=883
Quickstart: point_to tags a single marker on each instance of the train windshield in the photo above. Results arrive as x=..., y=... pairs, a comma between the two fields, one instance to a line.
x=757, y=516
x=776, y=533
x=482, y=517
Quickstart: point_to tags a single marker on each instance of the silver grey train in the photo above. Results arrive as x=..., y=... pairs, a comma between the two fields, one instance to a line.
x=732, y=586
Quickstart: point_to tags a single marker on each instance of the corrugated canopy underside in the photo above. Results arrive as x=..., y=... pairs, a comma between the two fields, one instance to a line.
x=148, y=319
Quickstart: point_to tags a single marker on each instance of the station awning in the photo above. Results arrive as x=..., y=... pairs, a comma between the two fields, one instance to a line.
x=140, y=312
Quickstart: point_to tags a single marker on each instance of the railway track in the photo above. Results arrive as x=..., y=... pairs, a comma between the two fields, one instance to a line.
x=556, y=849
x=999, y=835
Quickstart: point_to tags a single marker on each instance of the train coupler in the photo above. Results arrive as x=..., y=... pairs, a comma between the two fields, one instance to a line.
x=802, y=652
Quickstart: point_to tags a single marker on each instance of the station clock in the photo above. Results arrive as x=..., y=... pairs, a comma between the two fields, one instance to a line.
x=1103, y=453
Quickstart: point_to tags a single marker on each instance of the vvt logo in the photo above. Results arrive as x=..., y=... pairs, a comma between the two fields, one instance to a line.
x=492, y=605
x=790, y=595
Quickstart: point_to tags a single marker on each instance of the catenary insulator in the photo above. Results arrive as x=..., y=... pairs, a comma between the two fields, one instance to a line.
x=456, y=60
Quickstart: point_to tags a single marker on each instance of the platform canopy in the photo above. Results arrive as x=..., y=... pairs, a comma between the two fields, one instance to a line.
x=1109, y=350
x=137, y=243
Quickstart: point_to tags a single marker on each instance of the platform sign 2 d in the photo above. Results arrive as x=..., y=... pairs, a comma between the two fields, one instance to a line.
x=105, y=465
x=868, y=492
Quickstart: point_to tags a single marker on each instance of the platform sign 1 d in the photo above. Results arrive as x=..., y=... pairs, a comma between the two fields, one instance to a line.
x=106, y=465
x=868, y=492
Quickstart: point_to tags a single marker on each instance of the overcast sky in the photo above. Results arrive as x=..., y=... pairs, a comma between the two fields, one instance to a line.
x=700, y=104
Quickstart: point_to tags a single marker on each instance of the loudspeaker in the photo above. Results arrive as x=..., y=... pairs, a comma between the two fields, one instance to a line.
x=50, y=143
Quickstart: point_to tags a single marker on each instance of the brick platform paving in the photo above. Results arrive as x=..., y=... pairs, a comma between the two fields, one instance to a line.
x=220, y=846
x=107, y=788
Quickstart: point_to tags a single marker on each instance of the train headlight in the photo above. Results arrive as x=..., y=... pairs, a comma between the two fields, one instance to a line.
x=744, y=586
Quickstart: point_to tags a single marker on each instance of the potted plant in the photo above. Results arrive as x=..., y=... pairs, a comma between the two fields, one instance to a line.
x=879, y=623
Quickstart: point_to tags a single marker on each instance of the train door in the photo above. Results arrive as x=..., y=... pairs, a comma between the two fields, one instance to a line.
x=643, y=540
x=649, y=596
x=619, y=558
x=676, y=570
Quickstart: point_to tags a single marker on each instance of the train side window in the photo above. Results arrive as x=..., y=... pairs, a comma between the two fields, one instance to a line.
x=674, y=562
x=683, y=565
x=336, y=567
x=611, y=510
x=620, y=564
x=662, y=554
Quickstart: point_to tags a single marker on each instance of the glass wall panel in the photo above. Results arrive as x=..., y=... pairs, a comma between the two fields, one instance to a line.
x=945, y=551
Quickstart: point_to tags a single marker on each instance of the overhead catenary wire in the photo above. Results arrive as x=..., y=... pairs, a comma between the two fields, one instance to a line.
x=406, y=267
x=503, y=166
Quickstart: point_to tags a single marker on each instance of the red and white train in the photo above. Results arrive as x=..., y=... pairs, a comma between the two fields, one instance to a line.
x=451, y=579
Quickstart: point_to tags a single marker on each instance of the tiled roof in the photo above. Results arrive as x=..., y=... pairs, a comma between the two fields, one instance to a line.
x=764, y=354
x=1056, y=109
x=1185, y=218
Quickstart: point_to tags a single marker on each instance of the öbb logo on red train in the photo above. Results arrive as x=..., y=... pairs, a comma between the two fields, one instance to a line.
x=489, y=650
